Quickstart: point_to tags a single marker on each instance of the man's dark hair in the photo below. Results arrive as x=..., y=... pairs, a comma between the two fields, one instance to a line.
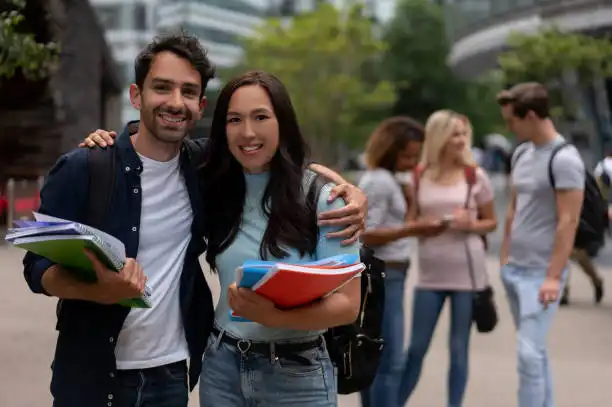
x=182, y=45
x=525, y=97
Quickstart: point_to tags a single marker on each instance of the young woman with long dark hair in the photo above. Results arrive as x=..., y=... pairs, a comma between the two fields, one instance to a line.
x=257, y=157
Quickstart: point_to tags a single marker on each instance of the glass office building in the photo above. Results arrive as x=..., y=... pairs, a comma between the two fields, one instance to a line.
x=479, y=29
x=219, y=24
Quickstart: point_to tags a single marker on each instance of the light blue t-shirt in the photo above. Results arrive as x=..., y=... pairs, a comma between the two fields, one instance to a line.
x=246, y=247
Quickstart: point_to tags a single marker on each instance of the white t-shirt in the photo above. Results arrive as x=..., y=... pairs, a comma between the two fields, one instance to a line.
x=604, y=166
x=155, y=336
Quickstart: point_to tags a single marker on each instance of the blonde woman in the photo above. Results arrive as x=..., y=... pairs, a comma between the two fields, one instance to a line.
x=442, y=194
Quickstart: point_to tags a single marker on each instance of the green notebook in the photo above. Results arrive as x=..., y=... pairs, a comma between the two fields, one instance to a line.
x=68, y=251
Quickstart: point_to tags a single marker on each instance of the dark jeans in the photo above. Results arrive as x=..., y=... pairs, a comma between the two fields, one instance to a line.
x=425, y=313
x=383, y=391
x=163, y=386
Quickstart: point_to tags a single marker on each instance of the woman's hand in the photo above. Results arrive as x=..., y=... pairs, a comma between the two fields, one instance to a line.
x=462, y=220
x=353, y=215
x=100, y=138
x=430, y=227
x=252, y=306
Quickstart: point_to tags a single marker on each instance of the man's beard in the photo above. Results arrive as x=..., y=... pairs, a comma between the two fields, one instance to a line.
x=172, y=136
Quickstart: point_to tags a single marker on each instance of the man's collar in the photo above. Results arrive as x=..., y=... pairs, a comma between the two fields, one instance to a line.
x=126, y=148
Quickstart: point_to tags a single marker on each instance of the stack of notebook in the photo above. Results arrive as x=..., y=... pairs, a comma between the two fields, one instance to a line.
x=63, y=242
x=296, y=285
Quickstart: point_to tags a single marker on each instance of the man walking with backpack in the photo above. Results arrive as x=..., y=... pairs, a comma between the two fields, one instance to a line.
x=540, y=229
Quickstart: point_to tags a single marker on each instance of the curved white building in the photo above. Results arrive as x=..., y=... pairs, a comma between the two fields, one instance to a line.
x=479, y=29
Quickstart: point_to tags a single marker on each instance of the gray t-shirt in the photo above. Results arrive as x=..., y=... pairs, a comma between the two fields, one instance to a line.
x=535, y=220
x=386, y=208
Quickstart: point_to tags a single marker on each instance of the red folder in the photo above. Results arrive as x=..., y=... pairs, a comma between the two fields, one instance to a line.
x=290, y=286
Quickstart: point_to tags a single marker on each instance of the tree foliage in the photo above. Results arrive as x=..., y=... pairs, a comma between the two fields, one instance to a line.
x=321, y=57
x=20, y=51
x=547, y=55
x=416, y=62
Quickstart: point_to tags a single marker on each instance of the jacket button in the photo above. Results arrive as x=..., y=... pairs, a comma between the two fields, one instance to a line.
x=111, y=339
x=135, y=190
x=110, y=396
x=134, y=228
x=109, y=404
x=111, y=375
x=127, y=169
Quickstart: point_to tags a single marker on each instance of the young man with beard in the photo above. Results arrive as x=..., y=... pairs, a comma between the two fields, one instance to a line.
x=540, y=230
x=106, y=354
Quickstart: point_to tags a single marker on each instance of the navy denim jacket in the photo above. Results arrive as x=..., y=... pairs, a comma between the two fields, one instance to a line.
x=84, y=364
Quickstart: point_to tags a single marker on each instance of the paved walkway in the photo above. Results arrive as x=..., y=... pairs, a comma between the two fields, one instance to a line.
x=581, y=347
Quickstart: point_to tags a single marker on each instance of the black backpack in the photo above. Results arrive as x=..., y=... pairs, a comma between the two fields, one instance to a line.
x=594, y=220
x=355, y=349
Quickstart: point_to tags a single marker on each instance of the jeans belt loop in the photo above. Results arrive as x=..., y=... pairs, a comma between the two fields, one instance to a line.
x=218, y=339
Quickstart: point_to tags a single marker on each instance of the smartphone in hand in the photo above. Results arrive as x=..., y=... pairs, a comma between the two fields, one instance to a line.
x=447, y=219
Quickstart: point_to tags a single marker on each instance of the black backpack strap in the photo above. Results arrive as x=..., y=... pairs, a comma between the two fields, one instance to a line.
x=102, y=165
x=516, y=156
x=313, y=185
x=195, y=150
x=551, y=176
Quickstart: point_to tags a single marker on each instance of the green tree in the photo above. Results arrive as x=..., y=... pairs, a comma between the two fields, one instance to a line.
x=550, y=55
x=20, y=51
x=416, y=62
x=321, y=56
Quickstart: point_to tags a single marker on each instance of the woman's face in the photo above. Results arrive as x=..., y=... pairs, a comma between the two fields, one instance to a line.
x=251, y=128
x=456, y=145
x=409, y=156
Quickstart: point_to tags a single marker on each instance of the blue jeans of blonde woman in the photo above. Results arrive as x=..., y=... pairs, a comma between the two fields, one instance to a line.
x=232, y=378
x=426, y=309
x=533, y=322
x=383, y=391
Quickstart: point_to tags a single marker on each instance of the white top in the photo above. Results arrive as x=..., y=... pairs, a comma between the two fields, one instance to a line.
x=155, y=337
x=386, y=208
x=603, y=167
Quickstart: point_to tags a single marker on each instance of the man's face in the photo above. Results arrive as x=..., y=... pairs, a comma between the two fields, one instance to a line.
x=519, y=126
x=169, y=101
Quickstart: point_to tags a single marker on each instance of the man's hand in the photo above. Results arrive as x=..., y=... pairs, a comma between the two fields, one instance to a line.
x=100, y=138
x=252, y=306
x=112, y=286
x=353, y=214
x=549, y=291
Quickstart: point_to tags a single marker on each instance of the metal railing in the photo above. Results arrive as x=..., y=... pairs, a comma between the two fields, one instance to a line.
x=18, y=199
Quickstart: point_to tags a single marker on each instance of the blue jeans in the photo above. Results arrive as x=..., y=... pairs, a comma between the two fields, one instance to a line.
x=230, y=378
x=425, y=313
x=533, y=323
x=163, y=386
x=383, y=391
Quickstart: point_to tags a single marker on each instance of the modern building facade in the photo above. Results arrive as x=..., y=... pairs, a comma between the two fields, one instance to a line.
x=479, y=30
x=220, y=25
x=128, y=25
